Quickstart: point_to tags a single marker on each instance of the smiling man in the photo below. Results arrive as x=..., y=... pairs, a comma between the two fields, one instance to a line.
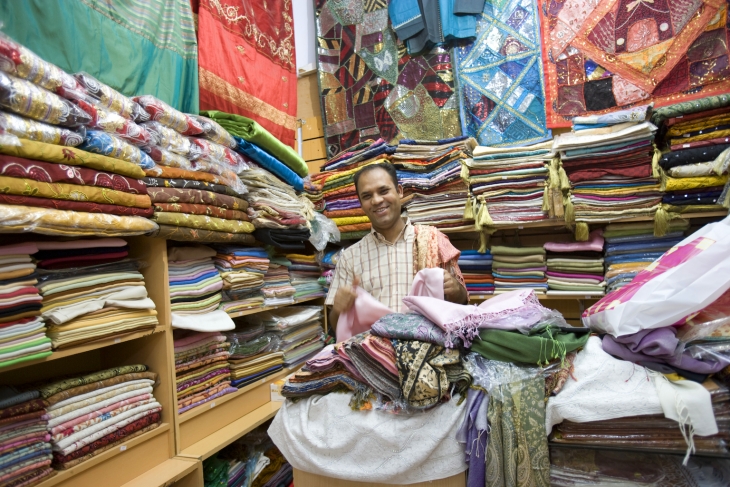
x=382, y=263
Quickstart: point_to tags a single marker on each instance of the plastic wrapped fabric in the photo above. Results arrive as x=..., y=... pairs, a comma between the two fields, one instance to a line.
x=205, y=150
x=168, y=116
x=110, y=99
x=225, y=175
x=167, y=158
x=30, y=129
x=270, y=163
x=29, y=100
x=167, y=138
x=324, y=231
x=712, y=323
x=113, y=123
x=285, y=318
x=109, y=145
x=214, y=132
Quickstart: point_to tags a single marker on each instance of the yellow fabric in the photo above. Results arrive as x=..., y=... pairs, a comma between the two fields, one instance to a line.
x=350, y=220
x=307, y=258
x=72, y=192
x=706, y=136
x=344, y=174
x=40, y=151
x=621, y=191
x=52, y=301
x=679, y=184
x=103, y=319
x=695, y=125
x=18, y=218
x=203, y=222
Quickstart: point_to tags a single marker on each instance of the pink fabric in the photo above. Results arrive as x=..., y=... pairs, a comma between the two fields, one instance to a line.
x=80, y=419
x=594, y=244
x=367, y=310
x=19, y=249
x=574, y=276
x=81, y=244
x=380, y=349
x=195, y=337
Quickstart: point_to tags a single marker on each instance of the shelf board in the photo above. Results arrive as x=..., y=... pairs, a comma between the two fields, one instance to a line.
x=165, y=473
x=541, y=297
x=259, y=309
x=211, y=444
x=67, y=352
x=635, y=449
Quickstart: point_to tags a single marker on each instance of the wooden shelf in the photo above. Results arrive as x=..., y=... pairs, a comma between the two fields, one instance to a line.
x=183, y=471
x=259, y=309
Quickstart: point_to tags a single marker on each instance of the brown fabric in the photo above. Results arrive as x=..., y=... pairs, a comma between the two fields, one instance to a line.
x=357, y=227
x=185, y=234
x=175, y=173
x=196, y=196
x=84, y=206
x=73, y=192
x=207, y=210
x=344, y=213
x=95, y=386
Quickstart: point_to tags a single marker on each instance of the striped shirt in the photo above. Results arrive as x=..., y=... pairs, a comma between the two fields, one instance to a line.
x=385, y=269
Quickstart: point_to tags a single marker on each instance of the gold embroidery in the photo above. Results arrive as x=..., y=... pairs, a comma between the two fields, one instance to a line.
x=241, y=79
x=241, y=49
x=286, y=105
x=284, y=79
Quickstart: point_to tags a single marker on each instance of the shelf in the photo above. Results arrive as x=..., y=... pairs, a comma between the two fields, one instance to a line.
x=104, y=342
x=211, y=444
x=638, y=450
x=173, y=470
x=254, y=310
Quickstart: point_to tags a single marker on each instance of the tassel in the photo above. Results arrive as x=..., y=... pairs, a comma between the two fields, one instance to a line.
x=478, y=218
x=655, y=163
x=726, y=200
x=468, y=209
x=569, y=211
x=662, y=179
x=483, y=242
x=485, y=219
x=546, y=207
x=464, y=171
x=564, y=181
x=661, y=221
x=582, y=232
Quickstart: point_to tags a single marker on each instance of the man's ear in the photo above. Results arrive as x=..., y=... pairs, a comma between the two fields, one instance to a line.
x=400, y=190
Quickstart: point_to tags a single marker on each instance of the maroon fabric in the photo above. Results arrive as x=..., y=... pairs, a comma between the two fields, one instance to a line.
x=701, y=143
x=20, y=292
x=24, y=407
x=22, y=417
x=86, y=206
x=81, y=261
x=642, y=171
x=208, y=210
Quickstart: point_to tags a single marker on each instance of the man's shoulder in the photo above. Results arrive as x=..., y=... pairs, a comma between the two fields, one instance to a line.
x=355, y=249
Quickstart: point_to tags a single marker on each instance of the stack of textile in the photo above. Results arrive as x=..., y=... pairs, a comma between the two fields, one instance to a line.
x=252, y=354
x=509, y=184
x=328, y=263
x=93, y=413
x=195, y=284
x=631, y=247
x=242, y=270
x=201, y=369
x=22, y=331
x=277, y=289
x=313, y=192
x=576, y=267
x=477, y=271
x=608, y=159
x=25, y=458
x=91, y=290
x=519, y=268
x=297, y=331
x=304, y=274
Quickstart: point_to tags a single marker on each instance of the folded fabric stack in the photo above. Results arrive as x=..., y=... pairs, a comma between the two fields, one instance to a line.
x=509, y=184
x=313, y=192
x=93, y=413
x=253, y=354
x=22, y=330
x=304, y=274
x=296, y=330
x=631, y=247
x=277, y=289
x=430, y=175
x=25, y=458
x=576, y=267
x=516, y=268
x=608, y=159
x=201, y=369
x=328, y=264
x=242, y=270
x=91, y=290
x=280, y=216
x=195, y=284
x=477, y=271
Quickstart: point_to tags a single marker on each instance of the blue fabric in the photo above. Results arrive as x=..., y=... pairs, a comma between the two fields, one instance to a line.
x=270, y=163
x=621, y=277
x=102, y=143
x=196, y=280
x=640, y=257
x=427, y=175
x=532, y=275
x=249, y=378
x=604, y=148
x=476, y=254
x=649, y=245
x=513, y=155
x=580, y=126
x=475, y=262
x=242, y=251
x=644, y=238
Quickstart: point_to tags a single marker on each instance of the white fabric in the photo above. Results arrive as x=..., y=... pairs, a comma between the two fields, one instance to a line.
x=217, y=320
x=134, y=297
x=323, y=436
x=603, y=388
x=100, y=392
x=261, y=464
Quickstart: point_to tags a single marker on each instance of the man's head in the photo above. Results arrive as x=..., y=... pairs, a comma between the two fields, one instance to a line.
x=379, y=194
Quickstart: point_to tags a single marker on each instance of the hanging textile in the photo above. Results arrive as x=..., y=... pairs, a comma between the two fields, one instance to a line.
x=135, y=46
x=603, y=55
x=370, y=87
x=247, y=63
x=501, y=82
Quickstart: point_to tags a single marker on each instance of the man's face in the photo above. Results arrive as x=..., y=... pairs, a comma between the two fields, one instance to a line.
x=380, y=198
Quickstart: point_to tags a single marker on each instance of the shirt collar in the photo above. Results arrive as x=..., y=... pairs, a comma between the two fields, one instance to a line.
x=407, y=229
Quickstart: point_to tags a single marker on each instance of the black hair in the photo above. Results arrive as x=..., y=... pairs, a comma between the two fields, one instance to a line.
x=385, y=166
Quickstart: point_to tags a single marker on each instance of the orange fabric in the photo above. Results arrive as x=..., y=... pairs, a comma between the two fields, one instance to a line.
x=175, y=173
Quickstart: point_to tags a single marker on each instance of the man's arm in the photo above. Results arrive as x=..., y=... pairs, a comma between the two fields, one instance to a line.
x=454, y=291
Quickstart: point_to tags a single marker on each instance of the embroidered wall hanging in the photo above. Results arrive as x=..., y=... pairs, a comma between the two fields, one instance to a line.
x=370, y=87
x=500, y=74
x=602, y=55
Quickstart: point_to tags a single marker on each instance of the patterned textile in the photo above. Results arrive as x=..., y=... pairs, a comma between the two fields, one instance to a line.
x=22, y=408
x=189, y=183
x=185, y=234
x=60, y=386
x=370, y=87
x=84, y=206
x=95, y=386
x=608, y=54
x=247, y=63
x=410, y=326
x=501, y=81
x=207, y=210
x=197, y=197
x=176, y=173
x=203, y=222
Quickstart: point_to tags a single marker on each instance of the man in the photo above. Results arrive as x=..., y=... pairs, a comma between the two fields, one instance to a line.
x=382, y=263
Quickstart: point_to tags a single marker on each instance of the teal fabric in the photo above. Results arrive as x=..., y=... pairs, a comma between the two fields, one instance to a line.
x=137, y=47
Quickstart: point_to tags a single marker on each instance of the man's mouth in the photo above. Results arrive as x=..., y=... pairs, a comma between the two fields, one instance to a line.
x=380, y=211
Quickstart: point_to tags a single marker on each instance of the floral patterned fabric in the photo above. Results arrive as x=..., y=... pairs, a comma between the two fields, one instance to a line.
x=421, y=371
x=196, y=196
x=82, y=206
x=63, y=385
x=206, y=210
x=410, y=326
x=185, y=234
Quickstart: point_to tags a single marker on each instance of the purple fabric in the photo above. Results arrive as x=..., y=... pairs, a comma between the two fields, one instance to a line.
x=475, y=439
x=228, y=390
x=574, y=276
x=659, y=345
x=328, y=358
x=594, y=244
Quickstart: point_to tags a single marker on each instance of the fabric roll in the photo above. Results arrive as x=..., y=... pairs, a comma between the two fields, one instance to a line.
x=194, y=196
x=64, y=191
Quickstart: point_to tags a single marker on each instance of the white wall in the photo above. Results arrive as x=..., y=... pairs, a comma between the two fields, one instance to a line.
x=304, y=34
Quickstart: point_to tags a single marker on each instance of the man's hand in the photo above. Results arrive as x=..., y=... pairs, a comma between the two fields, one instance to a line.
x=345, y=297
x=453, y=290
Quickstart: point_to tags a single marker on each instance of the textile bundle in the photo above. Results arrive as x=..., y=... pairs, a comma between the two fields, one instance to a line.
x=304, y=273
x=201, y=369
x=242, y=270
x=297, y=331
x=519, y=268
x=254, y=354
x=477, y=271
x=277, y=288
x=195, y=284
x=576, y=267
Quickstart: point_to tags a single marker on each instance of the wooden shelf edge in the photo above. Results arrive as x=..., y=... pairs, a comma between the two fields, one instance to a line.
x=64, y=475
x=166, y=473
x=68, y=352
x=260, y=309
x=209, y=445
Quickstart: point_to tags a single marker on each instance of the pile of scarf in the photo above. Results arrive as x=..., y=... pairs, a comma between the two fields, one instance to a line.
x=91, y=290
x=477, y=271
x=509, y=184
x=631, y=247
x=519, y=268
x=296, y=331
x=313, y=192
x=195, y=284
x=22, y=330
x=304, y=274
x=201, y=369
x=576, y=267
x=253, y=354
x=242, y=270
x=608, y=160
x=90, y=414
x=25, y=449
x=429, y=172
x=277, y=288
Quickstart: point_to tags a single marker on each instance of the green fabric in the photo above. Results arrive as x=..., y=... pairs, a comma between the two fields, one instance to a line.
x=497, y=250
x=353, y=235
x=511, y=265
x=250, y=131
x=26, y=358
x=576, y=287
x=21, y=346
x=576, y=269
x=543, y=344
x=66, y=384
x=137, y=47
x=631, y=229
x=660, y=115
